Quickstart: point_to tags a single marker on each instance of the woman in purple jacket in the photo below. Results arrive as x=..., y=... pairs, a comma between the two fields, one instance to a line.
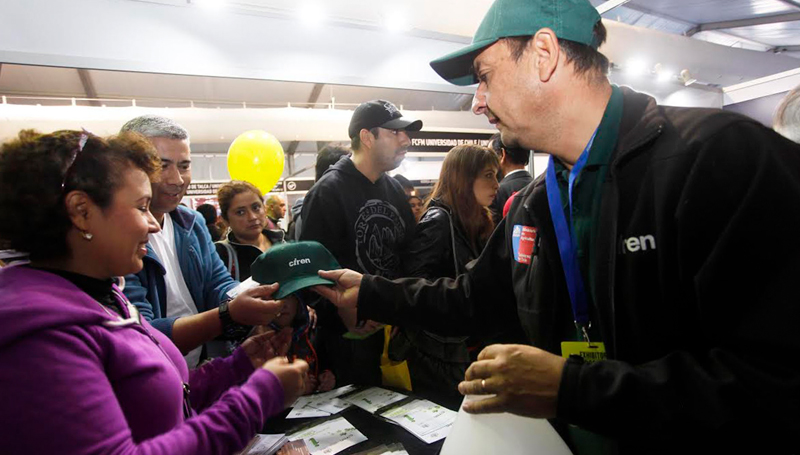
x=82, y=373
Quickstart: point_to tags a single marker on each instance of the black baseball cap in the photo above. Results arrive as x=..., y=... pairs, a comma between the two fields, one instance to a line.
x=293, y=266
x=380, y=113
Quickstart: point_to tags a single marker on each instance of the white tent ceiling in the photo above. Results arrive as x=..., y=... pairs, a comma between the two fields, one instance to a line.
x=256, y=54
x=766, y=25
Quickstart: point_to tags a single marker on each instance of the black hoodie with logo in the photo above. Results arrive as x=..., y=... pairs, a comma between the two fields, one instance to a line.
x=365, y=226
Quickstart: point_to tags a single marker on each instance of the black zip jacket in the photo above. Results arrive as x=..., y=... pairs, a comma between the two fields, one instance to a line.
x=244, y=255
x=697, y=250
x=508, y=186
x=431, y=254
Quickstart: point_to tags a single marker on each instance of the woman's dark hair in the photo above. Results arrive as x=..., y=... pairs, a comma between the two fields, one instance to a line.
x=37, y=171
x=327, y=157
x=209, y=213
x=228, y=191
x=462, y=165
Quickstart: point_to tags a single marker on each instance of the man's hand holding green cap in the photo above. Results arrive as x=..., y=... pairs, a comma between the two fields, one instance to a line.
x=572, y=20
x=293, y=266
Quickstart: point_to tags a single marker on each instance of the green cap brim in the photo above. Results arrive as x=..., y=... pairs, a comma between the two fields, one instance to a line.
x=292, y=286
x=456, y=67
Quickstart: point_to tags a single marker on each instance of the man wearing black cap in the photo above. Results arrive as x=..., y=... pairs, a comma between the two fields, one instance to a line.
x=362, y=216
x=653, y=267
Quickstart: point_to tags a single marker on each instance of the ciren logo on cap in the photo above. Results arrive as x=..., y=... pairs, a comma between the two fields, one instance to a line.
x=293, y=266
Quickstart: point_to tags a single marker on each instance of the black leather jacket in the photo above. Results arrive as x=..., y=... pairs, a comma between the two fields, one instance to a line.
x=430, y=255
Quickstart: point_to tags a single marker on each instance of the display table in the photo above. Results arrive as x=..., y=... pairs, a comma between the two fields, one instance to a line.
x=377, y=430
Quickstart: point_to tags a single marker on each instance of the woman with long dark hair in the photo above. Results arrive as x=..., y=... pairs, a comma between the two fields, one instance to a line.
x=452, y=232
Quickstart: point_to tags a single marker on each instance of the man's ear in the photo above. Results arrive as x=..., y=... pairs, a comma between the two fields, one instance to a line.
x=80, y=208
x=366, y=137
x=546, y=53
x=502, y=157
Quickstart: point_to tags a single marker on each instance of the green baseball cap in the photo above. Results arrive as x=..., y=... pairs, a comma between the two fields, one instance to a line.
x=294, y=266
x=572, y=20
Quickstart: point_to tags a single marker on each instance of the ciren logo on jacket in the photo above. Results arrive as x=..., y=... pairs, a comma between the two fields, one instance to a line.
x=523, y=240
x=638, y=243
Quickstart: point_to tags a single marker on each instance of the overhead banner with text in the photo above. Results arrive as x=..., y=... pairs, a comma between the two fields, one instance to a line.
x=442, y=142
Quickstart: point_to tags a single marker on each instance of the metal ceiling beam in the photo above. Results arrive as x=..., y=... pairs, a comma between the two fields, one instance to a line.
x=794, y=3
x=644, y=10
x=467, y=104
x=88, y=85
x=316, y=91
x=749, y=22
x=761, y=87
x=292, y=147
x=779, y=49
x=609, y=5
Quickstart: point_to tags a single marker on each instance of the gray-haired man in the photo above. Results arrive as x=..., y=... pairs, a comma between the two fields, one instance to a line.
x=182, y=289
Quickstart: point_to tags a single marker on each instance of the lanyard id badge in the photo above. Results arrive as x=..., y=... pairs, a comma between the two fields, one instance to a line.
x=567, y=248
x=588, y=351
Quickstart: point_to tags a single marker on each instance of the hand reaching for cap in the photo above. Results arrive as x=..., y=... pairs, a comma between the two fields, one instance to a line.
x=344, y=294
x=266, y=345
x=254, y=307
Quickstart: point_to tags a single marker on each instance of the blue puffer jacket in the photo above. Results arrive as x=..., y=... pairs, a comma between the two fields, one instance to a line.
x=204, y=273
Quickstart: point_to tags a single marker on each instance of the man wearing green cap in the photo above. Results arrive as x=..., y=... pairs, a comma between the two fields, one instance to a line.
x=651, y=267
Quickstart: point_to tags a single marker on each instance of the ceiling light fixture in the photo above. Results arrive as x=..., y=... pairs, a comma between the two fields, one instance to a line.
x=311, y=14
x=662, y=74
x=686, y=78
x=665, y=76
x=210, y=4
x=396, y=20
x=636, y=67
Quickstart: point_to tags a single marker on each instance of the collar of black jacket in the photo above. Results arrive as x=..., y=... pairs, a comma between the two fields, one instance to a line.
x=273, y=235
x=642, y=121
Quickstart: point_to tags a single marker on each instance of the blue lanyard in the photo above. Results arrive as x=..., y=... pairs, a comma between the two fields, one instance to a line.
x=567, y=243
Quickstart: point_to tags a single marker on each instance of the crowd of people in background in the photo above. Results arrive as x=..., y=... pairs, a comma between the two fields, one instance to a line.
x=128, y=330
x=180, y=264
x=139, y=262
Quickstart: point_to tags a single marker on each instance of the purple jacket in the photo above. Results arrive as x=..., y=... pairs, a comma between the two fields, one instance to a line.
x=72, y=385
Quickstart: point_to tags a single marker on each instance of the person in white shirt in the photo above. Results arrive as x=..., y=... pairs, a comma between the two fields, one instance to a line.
x=182, y=289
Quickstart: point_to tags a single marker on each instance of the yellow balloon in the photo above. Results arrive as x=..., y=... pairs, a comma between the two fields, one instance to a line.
x=256, y=157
